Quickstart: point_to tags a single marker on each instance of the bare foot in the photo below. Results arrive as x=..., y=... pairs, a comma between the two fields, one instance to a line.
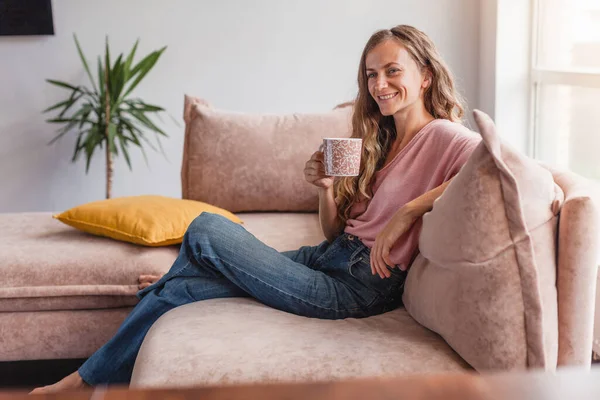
x=69, y=382
x=147, y=280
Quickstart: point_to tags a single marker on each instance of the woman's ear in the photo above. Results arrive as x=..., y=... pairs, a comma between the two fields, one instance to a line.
x=426, y=80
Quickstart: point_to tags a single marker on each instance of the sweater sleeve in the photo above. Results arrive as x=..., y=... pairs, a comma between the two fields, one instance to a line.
x=463, y=151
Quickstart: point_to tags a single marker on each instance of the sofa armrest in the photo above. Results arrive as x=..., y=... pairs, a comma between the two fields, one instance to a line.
x=578, y=247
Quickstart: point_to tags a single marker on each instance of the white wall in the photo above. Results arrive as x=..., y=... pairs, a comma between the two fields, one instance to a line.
x=249, y=56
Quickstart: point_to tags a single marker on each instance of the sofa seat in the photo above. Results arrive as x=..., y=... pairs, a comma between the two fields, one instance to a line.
x=47, y=265
x=64, y=293
x=239, y=340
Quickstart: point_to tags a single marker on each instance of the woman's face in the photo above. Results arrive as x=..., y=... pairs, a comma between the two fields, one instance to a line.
x=394, y=80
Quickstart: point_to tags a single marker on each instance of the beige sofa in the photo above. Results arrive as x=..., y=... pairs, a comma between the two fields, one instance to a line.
x=64, y=293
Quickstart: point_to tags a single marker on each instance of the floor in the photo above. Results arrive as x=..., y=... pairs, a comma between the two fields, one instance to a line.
x=31, y=374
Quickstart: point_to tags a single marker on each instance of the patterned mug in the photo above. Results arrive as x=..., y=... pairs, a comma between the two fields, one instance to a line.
x=342, y=156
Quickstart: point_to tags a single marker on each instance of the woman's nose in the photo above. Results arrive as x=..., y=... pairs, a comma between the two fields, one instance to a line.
x=381, y=83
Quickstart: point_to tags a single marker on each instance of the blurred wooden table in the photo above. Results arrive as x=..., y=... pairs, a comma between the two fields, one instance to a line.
x=567, y=383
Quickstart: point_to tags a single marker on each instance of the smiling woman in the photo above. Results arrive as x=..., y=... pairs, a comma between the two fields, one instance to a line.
x=405, y=112
x=405, y=90
x=394, y=85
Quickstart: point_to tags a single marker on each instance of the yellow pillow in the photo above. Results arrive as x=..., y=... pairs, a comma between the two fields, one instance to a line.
x=147, y=220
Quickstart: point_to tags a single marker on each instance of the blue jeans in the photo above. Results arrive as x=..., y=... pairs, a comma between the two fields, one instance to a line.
x=219, y=258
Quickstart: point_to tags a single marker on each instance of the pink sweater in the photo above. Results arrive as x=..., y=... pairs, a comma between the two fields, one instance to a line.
x=433, y=156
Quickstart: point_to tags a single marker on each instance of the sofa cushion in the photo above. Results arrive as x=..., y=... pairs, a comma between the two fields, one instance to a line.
x=485, y=276
x=46, y=265
x=239, y=340
x=250, y=162
x=147, y=220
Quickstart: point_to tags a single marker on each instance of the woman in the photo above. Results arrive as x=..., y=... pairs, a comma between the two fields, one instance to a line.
x=405, y=112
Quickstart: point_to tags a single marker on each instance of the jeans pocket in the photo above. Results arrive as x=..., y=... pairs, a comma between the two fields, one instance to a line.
x=332, y=250
x=389, y=289
x=365, y=292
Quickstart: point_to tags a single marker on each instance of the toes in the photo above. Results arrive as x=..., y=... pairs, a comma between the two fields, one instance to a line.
x=148, y=278
x=39, y=390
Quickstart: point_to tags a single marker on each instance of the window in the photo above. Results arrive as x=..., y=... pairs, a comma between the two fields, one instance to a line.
x=566, y=85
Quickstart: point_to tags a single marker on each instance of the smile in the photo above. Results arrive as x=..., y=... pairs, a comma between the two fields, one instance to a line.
x=387, y=96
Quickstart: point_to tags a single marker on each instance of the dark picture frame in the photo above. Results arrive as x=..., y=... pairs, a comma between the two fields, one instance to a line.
x=26, y=17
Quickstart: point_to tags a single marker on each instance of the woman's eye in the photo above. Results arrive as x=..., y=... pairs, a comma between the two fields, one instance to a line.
x=393, y=70
x=371, y=75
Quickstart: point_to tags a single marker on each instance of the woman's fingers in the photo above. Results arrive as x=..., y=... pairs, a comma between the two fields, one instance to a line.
x=315, y=165
x=386, y=259
x=384, y=273
x=372, y=262
x=143, y=285
x=377, y=259
x=380, y=259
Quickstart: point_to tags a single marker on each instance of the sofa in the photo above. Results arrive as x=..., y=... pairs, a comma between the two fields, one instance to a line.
x=65, y=292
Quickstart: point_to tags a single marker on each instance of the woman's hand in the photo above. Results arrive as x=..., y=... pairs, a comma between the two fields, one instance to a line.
x=147, y=280
x=314, y=171
x=380, y=253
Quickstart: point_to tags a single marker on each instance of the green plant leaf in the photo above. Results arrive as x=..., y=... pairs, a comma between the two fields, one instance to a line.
x=89, y=108
x=78, y=144
x=141, y=106
x=92, y=132
x=116, y=80
x=71, y=122
x=146, y=121
x=61, y=134
x=58, y=105
x=143, y=67
x=150, y=108
x=129, y=118
x=107, y=76
x=129, y=60
x=91, y=142
x=79, y=89
x=123, y=143
x=84, y=61
x=100, y=77
x=128, y=123
x=138, y=134
x=72, y=100
x=59, y=120
x=134, y=139
x=62, y=84
x=64, y=130
x=106, y=53
x=112, y=132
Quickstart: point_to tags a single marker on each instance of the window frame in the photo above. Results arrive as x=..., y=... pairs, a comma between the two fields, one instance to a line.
x=578, y=77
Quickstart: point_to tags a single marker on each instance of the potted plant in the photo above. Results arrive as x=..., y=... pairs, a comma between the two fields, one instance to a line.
x=105, y=115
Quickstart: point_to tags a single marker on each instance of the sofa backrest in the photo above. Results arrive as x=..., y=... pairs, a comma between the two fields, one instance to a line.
x=578, y=233
x=254, y=162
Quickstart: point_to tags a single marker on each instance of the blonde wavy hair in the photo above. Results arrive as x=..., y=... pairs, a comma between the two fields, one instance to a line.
x=378, y=132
